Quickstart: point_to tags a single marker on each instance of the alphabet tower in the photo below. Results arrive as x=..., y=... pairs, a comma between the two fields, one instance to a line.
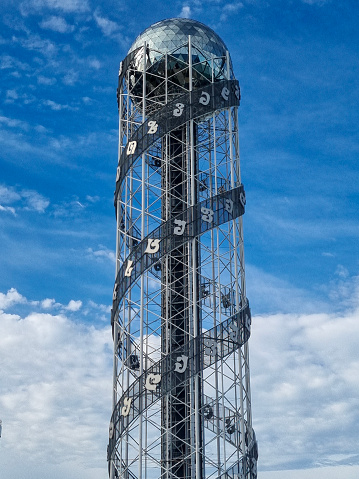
x=180, y=317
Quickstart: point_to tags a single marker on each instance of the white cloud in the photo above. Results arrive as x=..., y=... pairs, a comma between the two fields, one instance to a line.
x=11, y=95
x=36, y=43
x=8, y=195
x=95, y=64
x=70, y=78
x=108, y=27
x=304, y=388
x=341, y=271
x=347, y=472
x=57, y=24
x=229, y=9
x=320, y=3
x=101, y=307
x=47, y=303
x=9, y=209
x=185, y=12
x=10, y=298
x=42, y=80
x=274, y=294
x=55, y=397
x=92, y=199
x=30, y=6
x=35, y=201
x=41, y=129
x=57, y=106
x=74, y=305
x=305, y=392
x=14, y=123
x=102, y=252
x=8, y=62
x=72, y=207
x=31, y=200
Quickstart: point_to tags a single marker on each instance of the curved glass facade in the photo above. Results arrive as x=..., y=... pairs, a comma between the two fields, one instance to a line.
x=168, y=35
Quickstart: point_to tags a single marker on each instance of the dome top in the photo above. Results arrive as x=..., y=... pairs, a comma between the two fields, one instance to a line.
x=168, y=35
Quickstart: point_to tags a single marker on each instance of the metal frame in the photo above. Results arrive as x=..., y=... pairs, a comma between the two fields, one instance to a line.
x=180, y=316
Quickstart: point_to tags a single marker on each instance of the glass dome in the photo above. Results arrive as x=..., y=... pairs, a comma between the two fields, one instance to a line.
x=167, y=60
x=169, y=35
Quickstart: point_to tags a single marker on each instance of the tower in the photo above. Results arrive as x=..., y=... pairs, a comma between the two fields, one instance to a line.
x=180, y=316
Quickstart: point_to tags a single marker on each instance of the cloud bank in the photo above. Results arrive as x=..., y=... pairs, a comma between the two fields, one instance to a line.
x=55, y=392
x=55, y=389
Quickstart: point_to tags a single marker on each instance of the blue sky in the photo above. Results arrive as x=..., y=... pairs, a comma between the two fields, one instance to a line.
x=297, y=64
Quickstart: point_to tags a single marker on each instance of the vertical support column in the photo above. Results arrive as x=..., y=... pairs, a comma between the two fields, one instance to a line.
x=143, y=234
x=195, y=317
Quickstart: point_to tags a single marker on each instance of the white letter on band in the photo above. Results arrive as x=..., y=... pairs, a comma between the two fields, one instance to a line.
x=181, y=368
x=207, y=214
x=229, y=206
x=205, y=97
x=153, y=125
x=131, y=148
x=242, y=198
x=153, y=246
x=179, y=110
x=125, y=411
x=179, y=230
x=151, y=381
x=115, y=289
x=110, y=430
x=210, y=347
x=129, y=268
x=225, y=93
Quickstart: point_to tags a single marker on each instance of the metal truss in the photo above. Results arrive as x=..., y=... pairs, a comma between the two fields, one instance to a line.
x=180, y=317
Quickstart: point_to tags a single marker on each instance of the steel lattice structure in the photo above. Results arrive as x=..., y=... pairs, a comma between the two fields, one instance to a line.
x=180, y=316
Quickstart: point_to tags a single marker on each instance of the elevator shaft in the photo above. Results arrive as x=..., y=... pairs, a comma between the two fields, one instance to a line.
x=177, y=310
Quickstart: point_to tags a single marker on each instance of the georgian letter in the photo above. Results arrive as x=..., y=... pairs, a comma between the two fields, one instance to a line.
x=254, y=468
x=118, y=174
x=234, y=331
x=115, y=289
x=225, y=93
x=237, y=92
x=131, y=148
x=129, y=268
x=207, y=214
x=230, y=427
x=153, y=126
x=240, y=471
x=181, y=368
x=242, y=198
x=153, y=246
x=247, y=321
x=207, y=411
x=210, y=347
x=151, y=381
x=125, y=411
x=179, y=110
x=110, y=430
x=179, y=230
x=205, y=97
x=229, y=206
